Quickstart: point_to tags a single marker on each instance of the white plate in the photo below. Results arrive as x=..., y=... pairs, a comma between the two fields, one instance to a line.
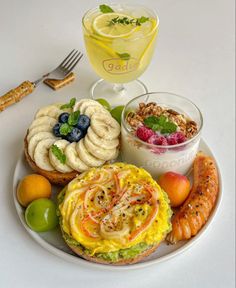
x=54, y=243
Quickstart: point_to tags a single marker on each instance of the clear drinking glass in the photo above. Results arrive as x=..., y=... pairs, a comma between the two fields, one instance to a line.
x=177, y=158
x=120, y=53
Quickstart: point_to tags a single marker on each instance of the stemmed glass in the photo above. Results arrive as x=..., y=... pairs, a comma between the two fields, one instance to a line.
x=120, y=43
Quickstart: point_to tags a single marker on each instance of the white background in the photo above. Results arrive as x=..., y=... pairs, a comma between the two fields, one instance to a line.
x=194, y=57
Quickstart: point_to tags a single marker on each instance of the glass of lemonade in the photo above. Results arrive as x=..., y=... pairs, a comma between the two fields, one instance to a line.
x=120, y=41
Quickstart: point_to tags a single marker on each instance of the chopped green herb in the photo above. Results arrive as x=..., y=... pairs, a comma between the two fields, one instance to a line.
x=71, y=104
x=65, y=129
x=141, y=20
x=58, y=153
x=160, y=124
x=124, y=56
x=105, y=9
x=128, y=21
x=73, y=118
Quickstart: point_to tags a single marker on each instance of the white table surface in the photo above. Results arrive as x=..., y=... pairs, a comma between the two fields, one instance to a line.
x=194, y=57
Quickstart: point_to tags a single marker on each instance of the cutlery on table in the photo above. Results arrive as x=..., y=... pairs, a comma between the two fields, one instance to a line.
x=27, y=87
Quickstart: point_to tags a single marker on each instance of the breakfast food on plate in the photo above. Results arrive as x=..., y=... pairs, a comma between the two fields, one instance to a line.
x=32, y=187
x=115, y=214
x=176, y=186
x=160, y=137
x=195, y=211
x=41, y=216
x=66, y=139
x=163, y=122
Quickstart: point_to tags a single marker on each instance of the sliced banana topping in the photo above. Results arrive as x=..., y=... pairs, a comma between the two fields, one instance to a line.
x=90, y=110
x=37, y=129
x=86, y=157
x=84, y=103
x=73, y=159
x=100, y=153
x=105, y=126
x=51, y=111
x=41, y=154
x=103, y=143
x=56, y=163
x=35, y=139
x=99, y=145
x=44, y=120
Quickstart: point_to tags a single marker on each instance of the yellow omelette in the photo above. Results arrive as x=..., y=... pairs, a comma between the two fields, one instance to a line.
x=116, y=206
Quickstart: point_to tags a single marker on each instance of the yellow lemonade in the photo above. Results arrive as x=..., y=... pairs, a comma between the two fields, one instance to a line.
x=120, y=42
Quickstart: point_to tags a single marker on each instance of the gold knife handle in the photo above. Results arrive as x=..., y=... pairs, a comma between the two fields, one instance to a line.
x=16, y=94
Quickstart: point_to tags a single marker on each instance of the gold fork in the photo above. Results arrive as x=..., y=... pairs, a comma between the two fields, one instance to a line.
x=27, y=87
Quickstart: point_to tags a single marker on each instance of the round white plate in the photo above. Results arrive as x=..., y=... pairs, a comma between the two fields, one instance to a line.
x=54, y=243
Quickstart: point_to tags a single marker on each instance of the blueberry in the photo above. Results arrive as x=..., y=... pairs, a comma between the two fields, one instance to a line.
x=63, y=118
x=83, y=122
x=56, y=130
x=75, y=135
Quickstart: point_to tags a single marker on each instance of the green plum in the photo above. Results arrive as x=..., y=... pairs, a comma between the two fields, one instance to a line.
x=41, y=215
x=104, y=103
x=116, y=113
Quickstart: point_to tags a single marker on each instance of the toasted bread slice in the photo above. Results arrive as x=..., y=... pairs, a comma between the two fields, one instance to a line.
x=54, y=177
x=95, y=259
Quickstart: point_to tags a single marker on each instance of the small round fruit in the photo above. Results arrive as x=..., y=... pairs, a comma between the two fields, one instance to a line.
x=75, y=135
x=83, y=122
x=116, y=113
x=56, y=130
x=32, y=187
x=177, y=187
x=41, y=215
x=104, y=103
x=63, y=118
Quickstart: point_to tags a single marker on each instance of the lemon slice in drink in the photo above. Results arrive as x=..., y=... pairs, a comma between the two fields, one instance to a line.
x=102, y=27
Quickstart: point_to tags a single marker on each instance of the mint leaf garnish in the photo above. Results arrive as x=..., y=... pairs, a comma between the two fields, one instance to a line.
x=124, y=56
x=58, y=153
x=141, y=20
x=71, y=104
x=65, y=129
x=161, y=124
x=105, y=9
x=73, y=118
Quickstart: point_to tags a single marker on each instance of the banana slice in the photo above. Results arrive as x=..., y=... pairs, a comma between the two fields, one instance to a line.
x=86, y=157
x=37, y=129
x=90, y=110
x=35, y=139
x=106, y=144
x=51, y=111
x=82, y=104
x=105, y=126
x=64, y=168
x=41, y=156
x=73, y=160
x=44, y=120
x=100, y=153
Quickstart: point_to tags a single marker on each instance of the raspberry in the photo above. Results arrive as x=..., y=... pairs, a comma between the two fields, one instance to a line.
x=158, y=140
x=144, y=133
x=176, y=138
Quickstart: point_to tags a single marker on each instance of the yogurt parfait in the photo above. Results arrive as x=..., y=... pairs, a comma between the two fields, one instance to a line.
x=160, y=132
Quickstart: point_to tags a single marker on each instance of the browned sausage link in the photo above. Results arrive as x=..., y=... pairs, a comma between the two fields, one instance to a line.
x=15, y=95
x=196, y=209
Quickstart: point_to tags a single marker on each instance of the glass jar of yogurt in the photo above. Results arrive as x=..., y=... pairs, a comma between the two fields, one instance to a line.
x=160, y=132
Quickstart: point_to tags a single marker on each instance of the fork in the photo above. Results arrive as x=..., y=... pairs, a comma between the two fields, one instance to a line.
x=27, y=87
